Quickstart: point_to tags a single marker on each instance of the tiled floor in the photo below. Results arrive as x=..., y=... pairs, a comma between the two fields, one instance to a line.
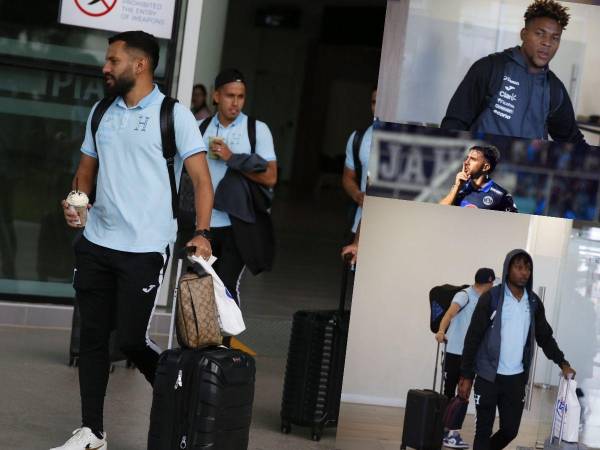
x=380, y=428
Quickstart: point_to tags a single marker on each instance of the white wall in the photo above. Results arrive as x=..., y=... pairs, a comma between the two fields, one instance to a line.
x=458, y=32
x=406, y=248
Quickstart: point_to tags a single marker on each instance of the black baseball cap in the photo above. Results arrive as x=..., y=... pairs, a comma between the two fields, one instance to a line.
x=228, y=76
x=485, y=275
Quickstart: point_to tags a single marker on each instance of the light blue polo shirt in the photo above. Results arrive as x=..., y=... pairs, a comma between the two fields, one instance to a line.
x=363, y=156
x=457, y=330
x=236, y=137
x=516, y=320
x=132, y=211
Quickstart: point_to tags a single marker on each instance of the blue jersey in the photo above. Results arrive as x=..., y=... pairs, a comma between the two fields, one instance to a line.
x=489, y=196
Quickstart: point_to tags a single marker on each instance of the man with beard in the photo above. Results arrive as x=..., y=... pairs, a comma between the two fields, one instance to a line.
x=498, y=350
x=473, y=187
x=514, y=93
x=121, y=256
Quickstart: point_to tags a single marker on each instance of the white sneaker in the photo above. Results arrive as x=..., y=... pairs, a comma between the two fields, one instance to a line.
x=84, y=439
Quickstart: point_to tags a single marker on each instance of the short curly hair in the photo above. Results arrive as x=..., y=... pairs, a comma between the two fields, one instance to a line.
x=490, y=153
x=548, y=8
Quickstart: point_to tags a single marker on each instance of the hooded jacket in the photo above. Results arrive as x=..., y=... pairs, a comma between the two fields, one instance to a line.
x=499, y=96
x=481, y=353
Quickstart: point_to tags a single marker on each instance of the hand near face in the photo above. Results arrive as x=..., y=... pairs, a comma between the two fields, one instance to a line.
x=461, y=178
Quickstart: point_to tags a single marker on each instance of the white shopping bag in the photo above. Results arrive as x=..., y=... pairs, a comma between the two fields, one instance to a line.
x=566, y=412
x=230, y=315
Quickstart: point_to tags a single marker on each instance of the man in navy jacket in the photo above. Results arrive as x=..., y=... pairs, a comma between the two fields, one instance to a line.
x=514, y=93
x=498, y=350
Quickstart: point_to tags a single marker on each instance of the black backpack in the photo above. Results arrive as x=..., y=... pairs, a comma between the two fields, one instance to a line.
x=167, y=133
x=440, y=298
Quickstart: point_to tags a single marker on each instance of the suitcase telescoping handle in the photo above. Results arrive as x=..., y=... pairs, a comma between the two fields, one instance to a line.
x=435, y=370
x=562, y=417
x=174, y=305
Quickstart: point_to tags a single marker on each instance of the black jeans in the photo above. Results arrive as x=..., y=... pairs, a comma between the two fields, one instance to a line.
x=229, y=264
x=452, y=374
x=508, y=394
x=115, y=290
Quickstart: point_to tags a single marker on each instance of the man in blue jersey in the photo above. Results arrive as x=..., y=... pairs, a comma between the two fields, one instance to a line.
x=473, y=187
x=453, y=329
x=121, y=256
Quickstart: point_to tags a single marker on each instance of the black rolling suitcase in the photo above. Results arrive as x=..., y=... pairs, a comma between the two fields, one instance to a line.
x=423, y=416
x=202, y=399
x=315, y=367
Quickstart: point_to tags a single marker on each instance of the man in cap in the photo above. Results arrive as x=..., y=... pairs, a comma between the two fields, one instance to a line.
x=241, y=144
x=453, y=329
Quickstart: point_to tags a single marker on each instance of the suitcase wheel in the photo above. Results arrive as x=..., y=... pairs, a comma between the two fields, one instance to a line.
x=286, y=428
x=129, y=364
x=112, y=368
x=316, y=434
x=73, y=361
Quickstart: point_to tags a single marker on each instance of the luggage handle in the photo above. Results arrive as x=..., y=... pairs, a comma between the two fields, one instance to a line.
x=435, y=370
x=562, y=420
x=174, y=305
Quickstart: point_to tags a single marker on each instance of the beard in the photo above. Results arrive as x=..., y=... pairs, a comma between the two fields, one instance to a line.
x=120, y=87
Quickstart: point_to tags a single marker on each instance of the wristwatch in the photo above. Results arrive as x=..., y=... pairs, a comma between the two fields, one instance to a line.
x=204, y=233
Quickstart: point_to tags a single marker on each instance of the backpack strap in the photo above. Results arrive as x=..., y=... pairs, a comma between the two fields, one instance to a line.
x=99, y=112
x=356, y=142
x=252, y=134
x=169, y=146
x=556, y=92
x=205, y=123
x=468, y=299
x=496, y=77
x=251, y=130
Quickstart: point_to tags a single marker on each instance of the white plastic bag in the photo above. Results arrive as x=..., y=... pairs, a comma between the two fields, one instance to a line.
x=230, y=315
x=567, y=410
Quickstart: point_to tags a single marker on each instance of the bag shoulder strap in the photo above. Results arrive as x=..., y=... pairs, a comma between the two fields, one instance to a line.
x=356, y=142
x=99, y=112
x=205, y=123
x=556, y=92
x=498, y=61
x=252, y=134
x=169, y=146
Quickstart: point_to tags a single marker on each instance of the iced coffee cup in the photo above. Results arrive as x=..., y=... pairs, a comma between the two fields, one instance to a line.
x=212, y=141
x=79, y=201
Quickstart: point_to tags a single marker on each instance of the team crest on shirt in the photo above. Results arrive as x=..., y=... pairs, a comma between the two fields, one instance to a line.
x=488, y=200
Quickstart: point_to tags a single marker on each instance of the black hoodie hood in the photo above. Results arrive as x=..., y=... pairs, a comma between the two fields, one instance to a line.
x=509, y=257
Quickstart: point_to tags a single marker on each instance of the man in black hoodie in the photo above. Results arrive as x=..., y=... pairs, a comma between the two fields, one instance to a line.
x=514, y=93
x=507, y=322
